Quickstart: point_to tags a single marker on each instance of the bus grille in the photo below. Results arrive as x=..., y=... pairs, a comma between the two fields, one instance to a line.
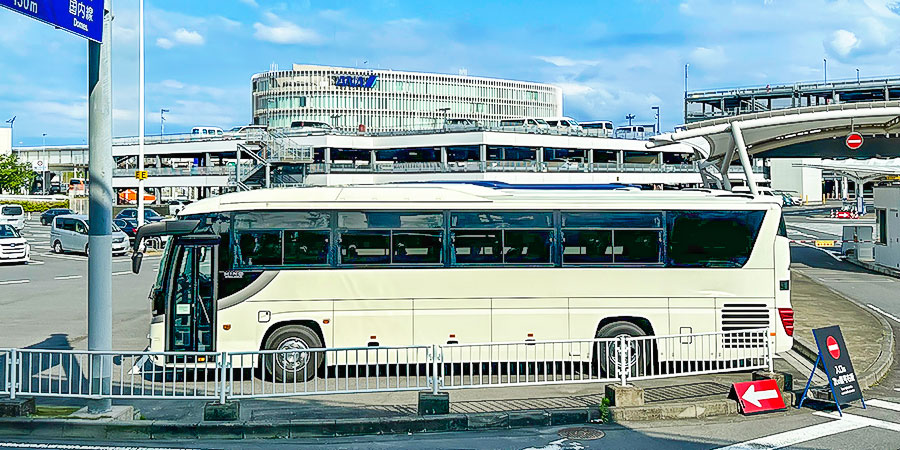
x=744, y=316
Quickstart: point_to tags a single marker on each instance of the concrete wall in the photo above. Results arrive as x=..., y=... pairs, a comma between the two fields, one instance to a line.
x=5, y=140
x=888, y=254
x=805, y=181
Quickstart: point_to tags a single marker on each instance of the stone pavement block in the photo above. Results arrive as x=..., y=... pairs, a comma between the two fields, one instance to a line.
x=408, y=424
x=629, y=395
x=174, y=430
x=312, y=428
x=137, y=430
x=520, y=419
x=713, y=408
x=784, y=380
x=220, y=430
x=266, y=430
x=19, y=407
x=568, y=416
x=84, y=429
x=479, y=421
x=448, y=422
x=228, y=411
x=351, y=427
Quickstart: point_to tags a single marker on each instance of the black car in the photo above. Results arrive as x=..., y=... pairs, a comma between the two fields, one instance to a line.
x=129, y=226
x=150, y=215
x=48, y=215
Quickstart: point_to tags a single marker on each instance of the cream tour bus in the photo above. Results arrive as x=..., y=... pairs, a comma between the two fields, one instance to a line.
x=425, y=264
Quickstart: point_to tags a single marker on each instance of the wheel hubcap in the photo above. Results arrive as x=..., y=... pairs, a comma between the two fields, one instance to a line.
x=292, y=361
x=632, y=354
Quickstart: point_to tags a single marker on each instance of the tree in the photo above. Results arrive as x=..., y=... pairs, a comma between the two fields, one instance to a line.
x=14, y=175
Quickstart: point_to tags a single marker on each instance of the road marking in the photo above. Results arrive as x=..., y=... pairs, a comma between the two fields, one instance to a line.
x=879, y=310
x=126, y=272
x=827, y=252
x=883, y=404
x=851, y=280
x=800, y=435
x=67, y=257
x=32, y=262
x=864, y=421
x=15, y=282
x=67, y=277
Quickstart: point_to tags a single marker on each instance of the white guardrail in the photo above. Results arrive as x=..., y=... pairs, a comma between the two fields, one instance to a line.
x=298, y=372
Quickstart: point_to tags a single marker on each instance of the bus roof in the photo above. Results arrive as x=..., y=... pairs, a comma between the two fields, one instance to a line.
x=473, y=196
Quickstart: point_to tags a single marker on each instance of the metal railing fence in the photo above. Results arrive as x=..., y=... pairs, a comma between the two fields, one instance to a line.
x=300, y=372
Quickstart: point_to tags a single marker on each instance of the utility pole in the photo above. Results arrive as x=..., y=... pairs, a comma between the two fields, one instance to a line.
x=100, y=164
x=140, y=164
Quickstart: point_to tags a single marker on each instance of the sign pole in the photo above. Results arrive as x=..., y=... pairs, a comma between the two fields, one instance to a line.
x=100, y=163
x=140, y=189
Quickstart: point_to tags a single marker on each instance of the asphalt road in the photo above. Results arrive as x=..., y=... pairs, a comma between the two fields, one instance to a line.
x=44, y=303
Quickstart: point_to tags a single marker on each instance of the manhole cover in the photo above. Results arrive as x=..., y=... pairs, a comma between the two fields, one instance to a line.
x=581, y=433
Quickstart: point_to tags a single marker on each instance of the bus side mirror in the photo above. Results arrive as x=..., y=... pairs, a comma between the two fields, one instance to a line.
x=136, y=259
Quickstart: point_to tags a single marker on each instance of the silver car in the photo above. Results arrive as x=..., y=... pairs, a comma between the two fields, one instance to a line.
x=69, y=233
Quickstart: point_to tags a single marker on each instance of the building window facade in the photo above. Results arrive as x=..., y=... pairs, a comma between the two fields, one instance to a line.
x=347, y=98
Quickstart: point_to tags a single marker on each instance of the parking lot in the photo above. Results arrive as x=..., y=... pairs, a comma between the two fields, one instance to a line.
x=52, y=289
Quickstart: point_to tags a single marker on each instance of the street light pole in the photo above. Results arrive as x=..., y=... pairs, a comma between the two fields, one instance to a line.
x=162, y=121
x=629, y=117
x=857, y=75
x=656, y=108
x=140, y=189
x=825, y=62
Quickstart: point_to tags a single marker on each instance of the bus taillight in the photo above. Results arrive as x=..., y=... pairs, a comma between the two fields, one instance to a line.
x=787, y=319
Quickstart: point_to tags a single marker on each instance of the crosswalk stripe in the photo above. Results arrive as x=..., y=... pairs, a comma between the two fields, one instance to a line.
x=883, y=404
x=15, y=282
x=864, y=421
x=794, y=437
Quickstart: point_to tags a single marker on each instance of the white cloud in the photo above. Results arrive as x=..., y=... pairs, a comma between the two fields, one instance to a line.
x=685, y=8
x=283, y=32
x=251, y=3
x=843, y=42
x=172, y=84
x=708, y=56
x=186, y=37
x=164, y=43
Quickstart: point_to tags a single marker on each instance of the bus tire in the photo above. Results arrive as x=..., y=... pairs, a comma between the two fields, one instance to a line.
x=606, y=359
x=290, y=367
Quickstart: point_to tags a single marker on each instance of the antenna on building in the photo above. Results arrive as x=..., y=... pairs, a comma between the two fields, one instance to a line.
x=463, y=72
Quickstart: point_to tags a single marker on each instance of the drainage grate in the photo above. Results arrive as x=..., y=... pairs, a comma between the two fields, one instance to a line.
x=685, y=391
x=581, y=433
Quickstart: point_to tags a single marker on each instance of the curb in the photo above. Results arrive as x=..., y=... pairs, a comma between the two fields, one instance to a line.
x=870, y=376
x=306, y=428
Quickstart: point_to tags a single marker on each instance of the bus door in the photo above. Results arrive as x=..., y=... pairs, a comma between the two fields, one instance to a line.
x=191, y=306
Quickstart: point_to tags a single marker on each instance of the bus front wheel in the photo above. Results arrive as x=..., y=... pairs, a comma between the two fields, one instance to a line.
x=608, y=358
x=288, y=366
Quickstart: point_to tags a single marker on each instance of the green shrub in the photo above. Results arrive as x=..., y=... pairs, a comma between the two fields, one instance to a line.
x=35, y=206
x=605, y=416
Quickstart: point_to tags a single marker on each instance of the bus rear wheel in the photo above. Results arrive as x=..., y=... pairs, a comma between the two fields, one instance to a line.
x=607, y=359
x=289, y=367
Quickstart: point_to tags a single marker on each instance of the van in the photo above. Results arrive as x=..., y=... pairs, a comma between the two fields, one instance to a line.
x=602, y=128
x=564, y=124
x=247, y=129
x=69, y=233
x=13, y=215
x=528, y=123
x=631, y=132
x=461, y=124
x=310, y=126
x=206, y=132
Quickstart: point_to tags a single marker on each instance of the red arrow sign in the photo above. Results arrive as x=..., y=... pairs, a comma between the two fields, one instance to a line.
x=854, y=141
x=758, y=396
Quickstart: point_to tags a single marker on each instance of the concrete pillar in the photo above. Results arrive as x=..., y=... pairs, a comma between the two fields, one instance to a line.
x=591, y=158
x=844, y=193
x=206, y=159
x=443, y=158
x=620, y=158
x=722, y=105
x=836, y=98
x=769, y=104
x=887, y=93
x=372, y=158
x=482, y=156
x=326, y=159
x=158, y=161
x=539, y=158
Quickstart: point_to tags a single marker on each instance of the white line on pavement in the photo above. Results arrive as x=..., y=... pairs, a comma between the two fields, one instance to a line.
x=879, y=310
x=883, y=404
x=126, y=272
x=67, y=277
x=829, y=253
x=794, y=437
x=32, y=262
x=74, y=447
x=15, y=282
x=864, y=421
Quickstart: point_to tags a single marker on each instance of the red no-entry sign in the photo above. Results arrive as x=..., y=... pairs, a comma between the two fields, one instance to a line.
x=758, y=396
x=854, y=141
x=833, y=348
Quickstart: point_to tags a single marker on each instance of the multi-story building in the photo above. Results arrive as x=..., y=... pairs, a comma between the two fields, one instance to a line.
x=387, y=100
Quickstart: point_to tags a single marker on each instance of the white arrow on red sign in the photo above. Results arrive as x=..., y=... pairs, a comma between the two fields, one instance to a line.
x=753, y=396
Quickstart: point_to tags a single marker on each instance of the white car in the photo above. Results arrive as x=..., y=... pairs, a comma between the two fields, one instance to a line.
x=12, y=215
x=13, y=247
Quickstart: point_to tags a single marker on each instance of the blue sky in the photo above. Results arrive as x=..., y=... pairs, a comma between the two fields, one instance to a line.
x=611, y=58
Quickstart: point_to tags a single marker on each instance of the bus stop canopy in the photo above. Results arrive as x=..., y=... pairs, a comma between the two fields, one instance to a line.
x=750, y=134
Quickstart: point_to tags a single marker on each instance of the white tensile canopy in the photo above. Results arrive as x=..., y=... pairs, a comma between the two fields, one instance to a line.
x=749, y=134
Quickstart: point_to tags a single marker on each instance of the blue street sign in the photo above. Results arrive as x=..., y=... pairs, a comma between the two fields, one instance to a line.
x=81, y=17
